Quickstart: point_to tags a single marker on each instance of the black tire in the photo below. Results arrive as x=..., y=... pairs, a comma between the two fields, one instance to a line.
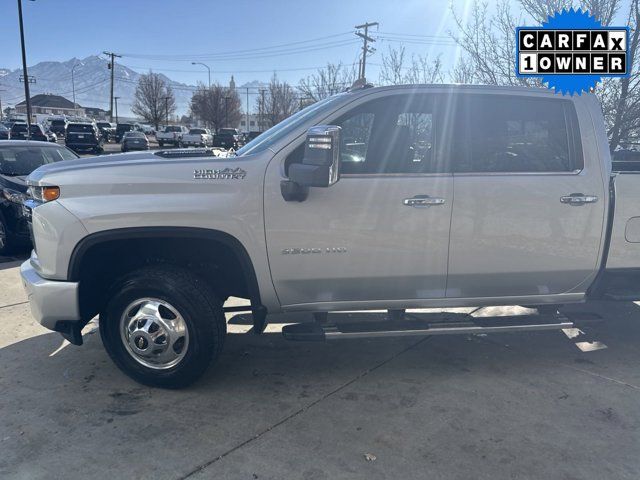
x=161, y=144
x=192, y=298
x=6, y=243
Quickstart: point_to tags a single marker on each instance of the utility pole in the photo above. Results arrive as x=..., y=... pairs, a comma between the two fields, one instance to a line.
x=116, y=100
x=73, y=86
x=112, y=66
x=365, y=48
x=1, y=112
x=166, y=108
x=248, y=129
x=261, y=110
x=226, y=111
x=27, y=96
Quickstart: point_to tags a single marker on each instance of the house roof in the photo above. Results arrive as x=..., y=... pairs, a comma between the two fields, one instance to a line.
x=47, y=100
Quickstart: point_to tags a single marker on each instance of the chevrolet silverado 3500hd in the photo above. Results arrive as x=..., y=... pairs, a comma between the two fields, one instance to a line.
x=377, y=198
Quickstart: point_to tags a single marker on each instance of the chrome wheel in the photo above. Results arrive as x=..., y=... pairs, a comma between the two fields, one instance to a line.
x=154, y=333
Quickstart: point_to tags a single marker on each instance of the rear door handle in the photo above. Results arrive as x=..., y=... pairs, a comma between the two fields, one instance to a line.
x=419, y=201
x=578, y=199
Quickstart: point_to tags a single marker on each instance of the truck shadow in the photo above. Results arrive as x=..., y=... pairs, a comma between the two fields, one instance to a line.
x=76, y=398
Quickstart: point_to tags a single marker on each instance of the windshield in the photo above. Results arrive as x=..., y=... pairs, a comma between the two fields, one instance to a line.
x=124, y=126
x=104, y=125
x=58, y=123
x=134, y=134
x=195, y=131
x=172, y=129
x=79, y=127
x=282, y=129
x=18, y=160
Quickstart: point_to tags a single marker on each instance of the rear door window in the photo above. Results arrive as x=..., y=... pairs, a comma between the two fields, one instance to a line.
x=516, y=134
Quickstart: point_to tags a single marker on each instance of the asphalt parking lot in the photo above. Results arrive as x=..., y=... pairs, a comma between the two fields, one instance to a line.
x=517, y=406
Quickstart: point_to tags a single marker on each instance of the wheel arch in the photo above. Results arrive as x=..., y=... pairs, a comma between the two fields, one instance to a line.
x=141, y=234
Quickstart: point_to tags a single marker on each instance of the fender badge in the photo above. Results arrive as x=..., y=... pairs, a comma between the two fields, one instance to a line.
x=220, y=174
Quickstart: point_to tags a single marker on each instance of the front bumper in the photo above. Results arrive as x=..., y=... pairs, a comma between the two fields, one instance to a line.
x=54, y=304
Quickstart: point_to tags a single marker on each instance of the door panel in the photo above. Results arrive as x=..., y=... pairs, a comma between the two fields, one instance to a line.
x=511, y=235
x=359, y=241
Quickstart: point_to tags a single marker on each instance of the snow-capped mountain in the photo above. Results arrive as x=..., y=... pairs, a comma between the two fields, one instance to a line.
x=92, y=84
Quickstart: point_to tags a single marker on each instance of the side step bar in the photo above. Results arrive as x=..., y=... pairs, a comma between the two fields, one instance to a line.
x=403, y=328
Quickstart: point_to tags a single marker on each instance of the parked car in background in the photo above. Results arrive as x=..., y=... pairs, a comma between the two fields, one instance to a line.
x=5, y=133
x=147, y=129
x=626, y=160
x=134, y=141
x=107, y=130
x=58, y=126
x=197, y=137
x=171, y=135
x=18, y=158
x=38, y=133
x=227, y=138
x=252, y=135
x=122, y=128
x=84, y=137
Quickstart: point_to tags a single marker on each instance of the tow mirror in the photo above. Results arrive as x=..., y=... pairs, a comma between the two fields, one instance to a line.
x=320, y=165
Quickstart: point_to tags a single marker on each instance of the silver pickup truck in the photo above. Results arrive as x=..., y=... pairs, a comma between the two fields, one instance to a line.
x=377, y=198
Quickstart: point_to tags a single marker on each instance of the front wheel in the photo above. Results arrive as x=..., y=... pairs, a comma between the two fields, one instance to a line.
x=163, y=326
x=5, y=244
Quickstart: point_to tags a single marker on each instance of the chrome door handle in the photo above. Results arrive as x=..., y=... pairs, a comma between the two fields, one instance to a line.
x=422, y=201
x=577, y=199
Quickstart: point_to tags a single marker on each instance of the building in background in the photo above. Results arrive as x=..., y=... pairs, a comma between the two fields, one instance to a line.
x=51, y=105
x=253, y=123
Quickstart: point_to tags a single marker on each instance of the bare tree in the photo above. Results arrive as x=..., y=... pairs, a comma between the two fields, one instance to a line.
x=216, y=105
x=279, y=102
x=397, y=69
x=154, y=99
x=488, y=40
x=332, y=79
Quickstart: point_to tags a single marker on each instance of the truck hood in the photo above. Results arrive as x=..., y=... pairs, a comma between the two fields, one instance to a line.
x=90, y=163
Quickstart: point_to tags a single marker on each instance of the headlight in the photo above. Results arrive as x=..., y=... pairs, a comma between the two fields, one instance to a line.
x=44, y=194
x=13, y=195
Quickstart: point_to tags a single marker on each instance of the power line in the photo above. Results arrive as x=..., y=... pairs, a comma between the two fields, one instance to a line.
x=236, y=52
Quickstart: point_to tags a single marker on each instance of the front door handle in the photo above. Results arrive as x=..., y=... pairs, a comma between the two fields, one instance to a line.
x=419, y=201
x=578, y=199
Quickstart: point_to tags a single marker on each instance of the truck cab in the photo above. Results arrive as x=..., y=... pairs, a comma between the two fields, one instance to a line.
x=377, y=198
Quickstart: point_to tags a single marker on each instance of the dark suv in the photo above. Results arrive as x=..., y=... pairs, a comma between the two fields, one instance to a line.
x=123, y=128
x=83, y=137
x=227, y=138
x=17, y=160
x=38, y=133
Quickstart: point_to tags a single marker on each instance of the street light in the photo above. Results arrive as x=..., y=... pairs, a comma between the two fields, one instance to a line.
x=27, y=96
x=205, y=66
x=73, y=86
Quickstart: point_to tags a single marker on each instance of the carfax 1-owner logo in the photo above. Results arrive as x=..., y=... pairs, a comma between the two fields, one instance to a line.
x=572, y=51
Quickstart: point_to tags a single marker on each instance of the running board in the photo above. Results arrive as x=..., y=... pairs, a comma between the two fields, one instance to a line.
x=403, y=328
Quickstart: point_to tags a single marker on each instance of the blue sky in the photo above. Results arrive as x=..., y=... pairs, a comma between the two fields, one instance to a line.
x=189, y=30
x=166, y=35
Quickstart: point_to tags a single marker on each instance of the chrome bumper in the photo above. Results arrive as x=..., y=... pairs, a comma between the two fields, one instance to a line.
x=51, y=301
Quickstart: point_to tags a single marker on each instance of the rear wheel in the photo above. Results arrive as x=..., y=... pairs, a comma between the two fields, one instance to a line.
x=163, y=326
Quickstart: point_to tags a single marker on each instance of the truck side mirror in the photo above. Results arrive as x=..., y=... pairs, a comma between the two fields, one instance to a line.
x=320, y=165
